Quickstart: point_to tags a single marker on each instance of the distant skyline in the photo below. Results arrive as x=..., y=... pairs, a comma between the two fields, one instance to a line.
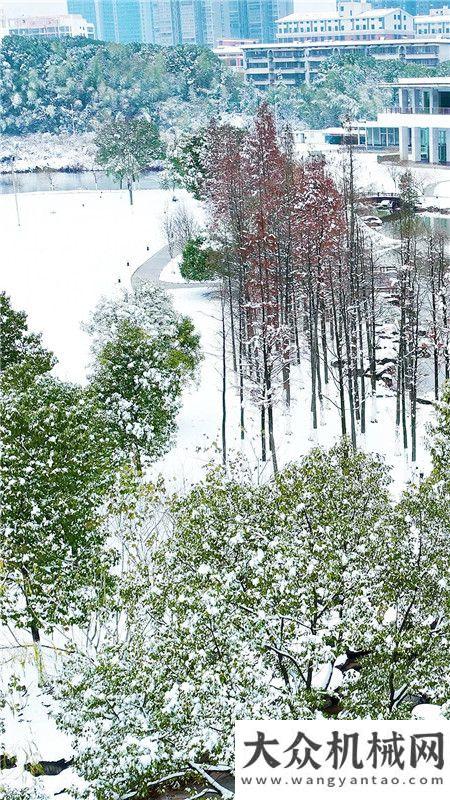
x=38, y=7
x=314, y=5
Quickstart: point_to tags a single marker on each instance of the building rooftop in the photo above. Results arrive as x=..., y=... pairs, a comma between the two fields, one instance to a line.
x=423, y=40
x=407, y=83
x=309, y=17
x=424, y=18
x=380, y=12
x=44, y=20
x=315, y=17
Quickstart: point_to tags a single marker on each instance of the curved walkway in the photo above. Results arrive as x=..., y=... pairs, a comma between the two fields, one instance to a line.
x=430, y=189
x=150, y=271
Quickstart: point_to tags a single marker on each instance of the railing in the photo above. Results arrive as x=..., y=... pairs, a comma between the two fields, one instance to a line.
x=399, y=110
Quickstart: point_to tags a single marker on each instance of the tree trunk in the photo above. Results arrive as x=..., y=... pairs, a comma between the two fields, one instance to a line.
x=224, y=387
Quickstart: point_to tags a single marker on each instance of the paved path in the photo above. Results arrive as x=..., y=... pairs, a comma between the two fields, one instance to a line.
x=151, y=269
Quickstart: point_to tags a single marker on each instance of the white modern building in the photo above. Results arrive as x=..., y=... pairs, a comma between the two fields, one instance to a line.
x=351, y=21
x=419, y=124
x=433, y=24
x=62, y=25
x=294, y=63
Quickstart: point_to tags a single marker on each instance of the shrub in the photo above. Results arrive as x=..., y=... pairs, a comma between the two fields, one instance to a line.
x=200, y=262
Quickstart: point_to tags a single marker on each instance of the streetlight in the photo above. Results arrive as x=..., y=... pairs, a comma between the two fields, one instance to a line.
x=13, y=173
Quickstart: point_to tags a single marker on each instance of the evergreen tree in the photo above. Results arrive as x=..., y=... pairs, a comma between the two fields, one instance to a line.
x=199, y=262
x=188, y=162
x=21, y=350
x=143, y=354
x=57, y=466
x=126, y=147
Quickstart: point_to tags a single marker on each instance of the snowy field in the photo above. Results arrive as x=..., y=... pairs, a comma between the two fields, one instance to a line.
x=70, y=249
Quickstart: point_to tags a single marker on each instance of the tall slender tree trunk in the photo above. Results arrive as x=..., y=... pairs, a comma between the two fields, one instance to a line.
x=224, y=387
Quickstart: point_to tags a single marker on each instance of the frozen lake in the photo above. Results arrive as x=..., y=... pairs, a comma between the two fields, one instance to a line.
x=58, y=181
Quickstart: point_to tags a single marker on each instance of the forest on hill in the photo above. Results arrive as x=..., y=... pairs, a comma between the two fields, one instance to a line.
x=72, y=84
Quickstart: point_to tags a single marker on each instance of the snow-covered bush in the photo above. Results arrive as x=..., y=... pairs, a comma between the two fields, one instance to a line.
x=6, y=793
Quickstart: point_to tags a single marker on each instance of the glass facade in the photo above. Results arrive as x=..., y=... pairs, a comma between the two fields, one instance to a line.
x=442, y=147
x=255, y=19
x=114, y=20
x=165, y=22
x=382, y=137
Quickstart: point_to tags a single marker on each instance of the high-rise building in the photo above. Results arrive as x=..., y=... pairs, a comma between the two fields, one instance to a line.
x=114, y=20
x=171, y=22
x=256, y=19
x=90, y=10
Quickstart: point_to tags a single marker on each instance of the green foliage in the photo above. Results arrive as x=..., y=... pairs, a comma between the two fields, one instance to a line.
x=57, y=466
x=199, y=262
x=21, y=351
x=346, y=86
x=187, y=162
x=125, y=147
x=70, y=84
x=143, y=355
x=245, y=601
x=58, y=462
x=406, y=659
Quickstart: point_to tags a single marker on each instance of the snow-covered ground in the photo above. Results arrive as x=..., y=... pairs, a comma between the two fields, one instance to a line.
x=31, y=734
x=71, y=248
x=171, y=272
x=199, y=422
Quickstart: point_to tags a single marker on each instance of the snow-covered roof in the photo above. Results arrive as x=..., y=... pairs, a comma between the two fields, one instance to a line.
x=309, y=17
x=319, y=17
x=421, y=19
x=434, y=82
x=382, y=12
x=338, y=43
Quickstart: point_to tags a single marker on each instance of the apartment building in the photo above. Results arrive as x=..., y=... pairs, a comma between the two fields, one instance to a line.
x=294, y=63
x=352, y=21
x=60, y=25
x=436, y=23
